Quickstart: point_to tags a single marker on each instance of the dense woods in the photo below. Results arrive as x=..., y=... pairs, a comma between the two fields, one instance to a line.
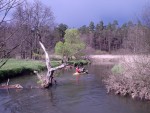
x=28, y=19
x=125, y=39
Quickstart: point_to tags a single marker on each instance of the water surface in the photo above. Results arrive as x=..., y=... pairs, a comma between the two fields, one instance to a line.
x=87, y=95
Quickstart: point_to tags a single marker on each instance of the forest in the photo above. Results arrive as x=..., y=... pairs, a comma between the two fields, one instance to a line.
x=18, y=35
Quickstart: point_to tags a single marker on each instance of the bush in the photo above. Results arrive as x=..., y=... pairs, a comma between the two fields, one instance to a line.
x=78, y=62
x=117, y=69
x=134, y=80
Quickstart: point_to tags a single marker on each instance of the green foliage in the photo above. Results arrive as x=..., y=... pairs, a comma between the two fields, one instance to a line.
x=109, y=26
x=115, y=24
x=59, y=48
x=100, y=26
x=117, y=69
x=91, y=26
x=83, y=29
x=73, y=41
x=61, y=29
x=72, y=44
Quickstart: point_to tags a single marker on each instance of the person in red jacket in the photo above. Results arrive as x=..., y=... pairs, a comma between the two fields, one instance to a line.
x=78, y=70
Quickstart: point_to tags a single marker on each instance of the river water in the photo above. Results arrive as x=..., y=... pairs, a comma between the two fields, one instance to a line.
x=87, y=94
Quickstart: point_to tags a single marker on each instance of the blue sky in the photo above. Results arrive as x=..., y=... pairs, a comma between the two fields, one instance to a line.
x=76, y=13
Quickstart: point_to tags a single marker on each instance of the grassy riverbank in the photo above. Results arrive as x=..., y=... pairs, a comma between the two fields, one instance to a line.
x=15, y=67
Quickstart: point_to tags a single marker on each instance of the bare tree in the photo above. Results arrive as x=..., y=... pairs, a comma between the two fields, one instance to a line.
x=47, y=81
x=146, y=15
x=30, y=18
x=5, y=7
x=137, y=41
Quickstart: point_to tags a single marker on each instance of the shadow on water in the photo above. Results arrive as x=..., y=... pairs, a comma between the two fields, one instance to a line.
x=87, y=95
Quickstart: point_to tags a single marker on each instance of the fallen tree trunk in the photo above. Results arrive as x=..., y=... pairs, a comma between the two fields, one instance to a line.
x=15, y=86
x=48, y=79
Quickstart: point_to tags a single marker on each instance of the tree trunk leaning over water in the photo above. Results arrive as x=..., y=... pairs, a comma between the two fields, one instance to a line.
x=48, y=79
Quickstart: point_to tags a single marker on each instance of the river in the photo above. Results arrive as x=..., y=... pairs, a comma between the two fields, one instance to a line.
x=85, y=95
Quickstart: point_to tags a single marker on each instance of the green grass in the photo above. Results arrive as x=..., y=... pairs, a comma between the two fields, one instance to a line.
x=18, y=67
x=15, y=64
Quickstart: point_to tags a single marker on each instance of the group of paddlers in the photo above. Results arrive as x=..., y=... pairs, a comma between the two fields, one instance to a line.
x=81, y=70
x=78, y=68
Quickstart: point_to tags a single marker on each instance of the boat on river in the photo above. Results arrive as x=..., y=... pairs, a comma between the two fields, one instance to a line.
x=82, y=73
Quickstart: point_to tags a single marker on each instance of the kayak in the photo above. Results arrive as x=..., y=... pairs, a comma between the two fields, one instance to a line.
x=76, y=73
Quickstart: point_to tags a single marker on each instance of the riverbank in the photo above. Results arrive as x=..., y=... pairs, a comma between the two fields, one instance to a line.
x=14, y=67
x=129, y=75
x=101, y=59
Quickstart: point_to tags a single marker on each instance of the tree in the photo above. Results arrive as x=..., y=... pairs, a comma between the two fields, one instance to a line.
x=146, y=16
x=59, y=48
x=5, y=7
x=30, y=18
x=146, y=21
x=47, y=81
x=72, y=44
x=115, y=24
x=100, y=26
x=84, y=29
x=109, y=26
x=91, y=26
x=130, y=24
x=98, y=34
x=61, y=29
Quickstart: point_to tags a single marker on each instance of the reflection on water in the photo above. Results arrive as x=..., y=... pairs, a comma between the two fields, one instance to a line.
x=88, y=95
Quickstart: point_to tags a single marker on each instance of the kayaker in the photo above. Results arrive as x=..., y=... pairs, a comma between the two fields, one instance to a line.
x=78, y=70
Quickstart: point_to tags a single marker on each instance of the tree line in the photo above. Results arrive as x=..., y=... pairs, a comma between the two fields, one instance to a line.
x=19, y=35
x=127, y=38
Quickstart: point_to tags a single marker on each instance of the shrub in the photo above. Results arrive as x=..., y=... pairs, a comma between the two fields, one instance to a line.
x=134, y=80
